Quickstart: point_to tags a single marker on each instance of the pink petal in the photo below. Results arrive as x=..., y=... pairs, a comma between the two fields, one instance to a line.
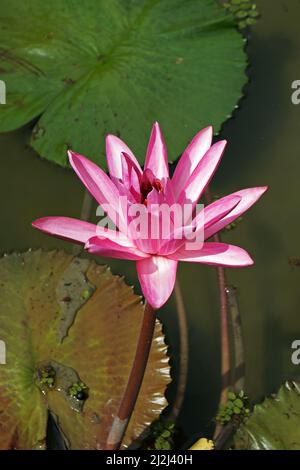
x=248, y=198
x=75, y=230
x=135, y=184
x=215, y=211
x=190, y=159
x=173, y=244
x=209, y=215
x=157, y=276
x=129, y=185
x=67, y=228
x=217, y=254
x=114, y=148
x=202, y=174
x=100, y=186
x=168, y=191
x=156, y=157
x=131, y=176
x=113, y=249
x=159, y=223
x=146, y=242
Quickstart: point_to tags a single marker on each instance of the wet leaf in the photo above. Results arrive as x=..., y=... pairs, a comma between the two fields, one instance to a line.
x=274, y=424
x=94, y=67
x=80, y=377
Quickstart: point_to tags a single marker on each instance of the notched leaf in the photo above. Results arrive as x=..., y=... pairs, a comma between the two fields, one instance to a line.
x=274, y=424
x=133, y=63
x=81, y=379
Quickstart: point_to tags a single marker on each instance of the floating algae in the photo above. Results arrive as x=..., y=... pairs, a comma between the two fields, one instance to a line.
x=65, y=381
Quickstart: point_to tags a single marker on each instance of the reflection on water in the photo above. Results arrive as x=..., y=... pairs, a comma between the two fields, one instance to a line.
x=263, y=148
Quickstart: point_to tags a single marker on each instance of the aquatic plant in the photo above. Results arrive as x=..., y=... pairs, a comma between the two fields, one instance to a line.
x=156, y=256
x=133, y=62
x=153, y=192
x=59, y=345
x=244, y=11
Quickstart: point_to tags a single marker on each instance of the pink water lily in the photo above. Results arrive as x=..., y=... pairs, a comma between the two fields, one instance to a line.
x=156, y=257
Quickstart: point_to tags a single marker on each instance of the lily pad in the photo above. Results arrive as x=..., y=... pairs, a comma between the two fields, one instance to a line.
x=274, y=424
x=94, y=67
x=80, y=377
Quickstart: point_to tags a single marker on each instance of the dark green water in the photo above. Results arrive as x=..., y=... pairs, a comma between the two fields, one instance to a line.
x=264, y=148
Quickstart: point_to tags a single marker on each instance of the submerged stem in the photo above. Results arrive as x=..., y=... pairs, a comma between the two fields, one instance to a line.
x=135, y=380
x=235, y=326
x=224, y=323
x=224, y=329
x=183, y=354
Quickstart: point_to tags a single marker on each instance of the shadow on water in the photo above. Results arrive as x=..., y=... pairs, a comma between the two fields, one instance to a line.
x=263, y=149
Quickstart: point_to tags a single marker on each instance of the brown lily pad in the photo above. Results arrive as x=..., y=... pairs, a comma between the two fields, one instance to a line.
x=70, y=328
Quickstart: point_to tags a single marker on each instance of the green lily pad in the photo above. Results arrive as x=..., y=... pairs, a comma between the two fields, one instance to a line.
x=274, y=424
x=94, y=67
x=79, y=377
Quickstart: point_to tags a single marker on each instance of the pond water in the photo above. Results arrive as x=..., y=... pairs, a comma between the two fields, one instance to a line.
x=264, y=148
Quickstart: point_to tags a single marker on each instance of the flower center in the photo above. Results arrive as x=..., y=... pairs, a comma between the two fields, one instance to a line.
x=148, y=183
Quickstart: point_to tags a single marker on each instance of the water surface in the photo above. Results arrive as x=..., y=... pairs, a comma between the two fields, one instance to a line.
x=264, y=148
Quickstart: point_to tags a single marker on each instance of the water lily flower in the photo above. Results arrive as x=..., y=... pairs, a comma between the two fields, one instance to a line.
x=156, y=257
